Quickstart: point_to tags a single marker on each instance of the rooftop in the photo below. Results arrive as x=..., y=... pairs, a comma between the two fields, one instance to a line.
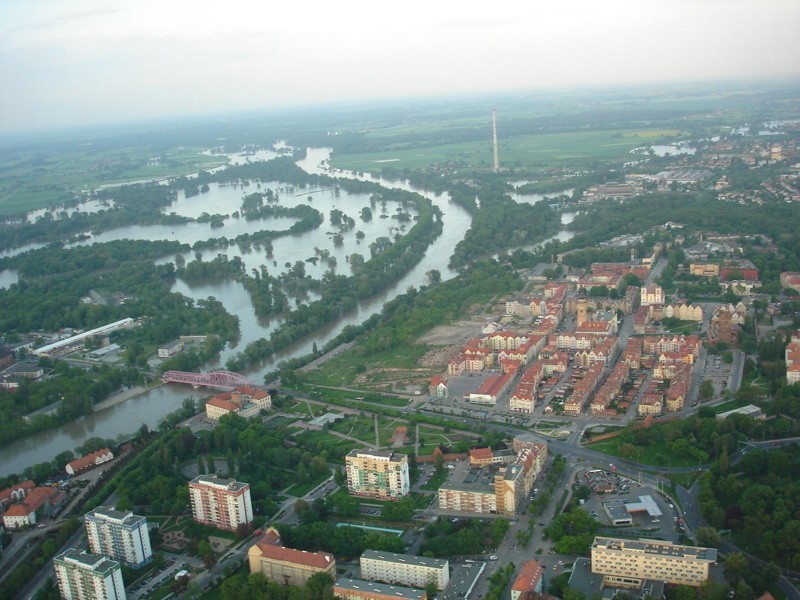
x=213, y=480
x=394, y=591
x=657, y=547
x=96, y=563
x=422, y=561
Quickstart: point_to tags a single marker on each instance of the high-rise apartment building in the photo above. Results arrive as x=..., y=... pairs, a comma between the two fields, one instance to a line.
x=223, y=503
x=120, y=535
x=377, y=474
x=83, y=576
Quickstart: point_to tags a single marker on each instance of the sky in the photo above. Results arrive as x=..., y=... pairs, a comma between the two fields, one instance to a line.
x=67, y=63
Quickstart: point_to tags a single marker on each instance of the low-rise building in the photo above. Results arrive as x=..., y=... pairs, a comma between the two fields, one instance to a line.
x=628, y=563
x=26, y=513
x=357, y=589
x=244, y=401
x=170, y=349
x=89, y=461
x=528, y=580
x=287, y=566
x=405, y=569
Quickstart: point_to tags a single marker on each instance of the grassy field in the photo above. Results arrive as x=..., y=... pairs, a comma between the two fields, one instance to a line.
x=646, y=455
x=40, y=178
x=342, y=370
x=572, y=149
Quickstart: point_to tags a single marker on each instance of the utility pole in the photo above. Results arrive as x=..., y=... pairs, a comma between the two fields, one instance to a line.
x=494, y=142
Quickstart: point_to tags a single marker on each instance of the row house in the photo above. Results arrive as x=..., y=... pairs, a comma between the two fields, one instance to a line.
x=792, y=356
x=583, y=389
x=603, y=352
x=611, y=387
x=576, y=341
x=679, y=388
x=632, y=355
x=681, y=310
x=546, y=325
x=523, y=398
x=651, y=404
x=686, y=344
x=555, y=291
x=509, y=366
x=641, y=319
x=504, y=340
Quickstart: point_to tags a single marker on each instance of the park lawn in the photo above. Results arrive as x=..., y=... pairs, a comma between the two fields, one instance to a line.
x=726, y=406
x=644, y=454
x=433, y=437
x=342, y=370
x=573, y=149
x=307, y=437
x=362, y=428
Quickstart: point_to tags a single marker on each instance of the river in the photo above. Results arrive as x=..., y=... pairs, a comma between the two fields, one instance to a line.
x=150, y=407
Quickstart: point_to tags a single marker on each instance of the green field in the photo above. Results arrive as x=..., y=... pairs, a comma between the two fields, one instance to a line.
x=645, y=454
x=343, y=369
x=41, y=177
x=573, y=149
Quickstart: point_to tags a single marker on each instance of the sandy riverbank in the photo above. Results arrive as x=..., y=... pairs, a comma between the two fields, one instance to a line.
x=120, y=397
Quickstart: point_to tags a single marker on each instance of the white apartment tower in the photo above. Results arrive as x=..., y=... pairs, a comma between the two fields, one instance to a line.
x=377, y=474
x=223, y=503
x=83, y=576
x=120, y=535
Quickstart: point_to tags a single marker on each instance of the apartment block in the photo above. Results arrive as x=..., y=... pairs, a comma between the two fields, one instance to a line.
x=405, y=569
x=120, y=535
x=223, y=503
x=628, y=563
x=83, y=576
x=356, y=589
x=377, y=474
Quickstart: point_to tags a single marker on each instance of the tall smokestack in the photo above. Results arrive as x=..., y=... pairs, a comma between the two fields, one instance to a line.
x=494, y=142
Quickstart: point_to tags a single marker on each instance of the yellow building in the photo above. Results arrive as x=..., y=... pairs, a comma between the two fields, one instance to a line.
x=286, y=565
x=627, y=563
x=704, y=269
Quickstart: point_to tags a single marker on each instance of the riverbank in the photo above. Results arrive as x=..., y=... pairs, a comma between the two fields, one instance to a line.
x=121, y=397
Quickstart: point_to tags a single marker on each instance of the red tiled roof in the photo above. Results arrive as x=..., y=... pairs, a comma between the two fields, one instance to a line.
x=480, y=453
x=25, y=487
x=84, y=462
x=222, y=403
x=318, y=560
x=528, y=577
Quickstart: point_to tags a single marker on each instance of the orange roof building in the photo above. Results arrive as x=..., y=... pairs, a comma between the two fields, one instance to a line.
x=287, y=566
x=528, y=580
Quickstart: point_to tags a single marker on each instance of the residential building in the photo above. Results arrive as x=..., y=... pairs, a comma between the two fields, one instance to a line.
x=16, y=492
x=628, y=563
x=83, y=576
x=89, y=461
x=356, y=589
x=528, y=580
x=651, y=294
x=405, y=569
x=120, y=535
x=223, y=503
x=377, y=474
x=287, y=566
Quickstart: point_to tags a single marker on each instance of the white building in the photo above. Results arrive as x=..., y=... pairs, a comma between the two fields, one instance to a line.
x=83, y=576
x=120, y=535
x=405, y=569
x=377, y=474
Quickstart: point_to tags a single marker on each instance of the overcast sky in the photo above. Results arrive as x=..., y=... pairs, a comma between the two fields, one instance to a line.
x=75, y=62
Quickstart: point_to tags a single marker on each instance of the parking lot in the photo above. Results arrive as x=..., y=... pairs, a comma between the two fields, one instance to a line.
x=603, y=506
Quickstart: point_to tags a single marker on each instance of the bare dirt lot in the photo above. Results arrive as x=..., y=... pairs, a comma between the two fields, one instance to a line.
x=456, y=334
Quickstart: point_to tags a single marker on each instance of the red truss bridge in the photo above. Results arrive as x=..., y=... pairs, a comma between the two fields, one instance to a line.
x=220, y=379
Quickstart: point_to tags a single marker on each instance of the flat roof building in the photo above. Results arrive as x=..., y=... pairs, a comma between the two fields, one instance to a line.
x=83, y=576
x=628, y=563
x=357, y=589
x=405, y=569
